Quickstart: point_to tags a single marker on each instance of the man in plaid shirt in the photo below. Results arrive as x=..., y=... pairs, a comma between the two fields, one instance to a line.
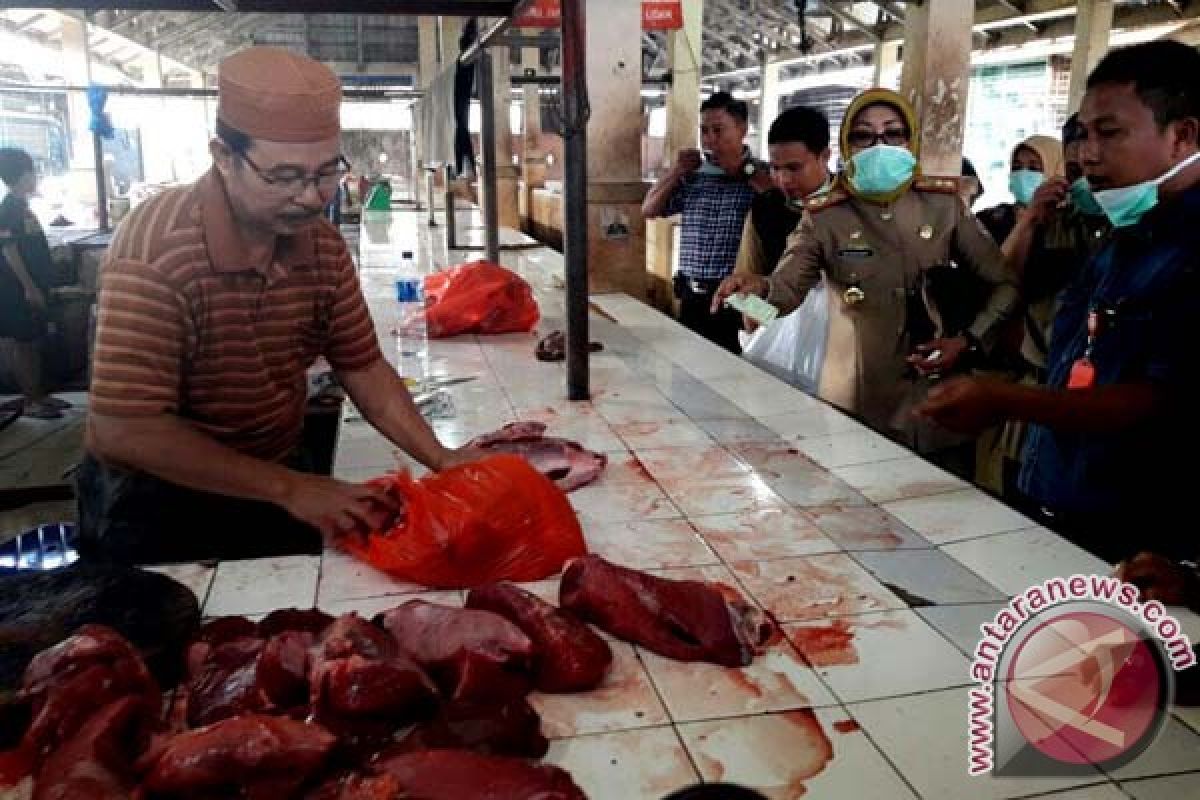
x=713, y=192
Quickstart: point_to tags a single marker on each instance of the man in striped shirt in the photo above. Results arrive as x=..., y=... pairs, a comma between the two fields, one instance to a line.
x=216, y=298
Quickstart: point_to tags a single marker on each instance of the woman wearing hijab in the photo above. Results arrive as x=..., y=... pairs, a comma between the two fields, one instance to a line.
x=874, y=238
x=1034, y=161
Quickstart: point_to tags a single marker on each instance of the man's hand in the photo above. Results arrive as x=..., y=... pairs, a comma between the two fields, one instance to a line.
x=1047, y=199
x=35, y=298
x=459, y=456
x=688, y=161
x=939, y=355
x=739, y=283
x=965, y=405
x=1157, y=578
x=337, y=508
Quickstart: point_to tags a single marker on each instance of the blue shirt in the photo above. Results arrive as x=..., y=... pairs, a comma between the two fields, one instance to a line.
x=714, y=209
x=1146, y=285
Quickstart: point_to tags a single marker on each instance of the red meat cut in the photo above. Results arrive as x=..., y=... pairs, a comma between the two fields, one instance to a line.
x=472, y=655
x=462, y=775
x=97, y=762
x=263, y=758
x=568, y=655
x=566, y=463
x=507, y=728
x=683, y=620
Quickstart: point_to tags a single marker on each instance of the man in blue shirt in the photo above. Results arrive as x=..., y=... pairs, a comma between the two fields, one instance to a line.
x=1112, y=426
x=713, y=191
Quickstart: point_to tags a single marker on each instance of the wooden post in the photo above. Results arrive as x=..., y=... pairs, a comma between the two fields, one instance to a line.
x=1093, y=24
x=936, y=77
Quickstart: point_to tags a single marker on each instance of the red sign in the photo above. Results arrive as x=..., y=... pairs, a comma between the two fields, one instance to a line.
x=657, y=15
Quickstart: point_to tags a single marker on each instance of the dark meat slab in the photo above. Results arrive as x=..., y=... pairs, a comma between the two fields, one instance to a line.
x=684, y=620
x=568, y=655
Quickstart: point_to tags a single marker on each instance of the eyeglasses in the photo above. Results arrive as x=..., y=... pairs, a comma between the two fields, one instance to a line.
x=295, y=180
x=896, y=137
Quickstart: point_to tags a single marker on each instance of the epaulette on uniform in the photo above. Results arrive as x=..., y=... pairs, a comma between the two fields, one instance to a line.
x=934, y=183
x=826, y=200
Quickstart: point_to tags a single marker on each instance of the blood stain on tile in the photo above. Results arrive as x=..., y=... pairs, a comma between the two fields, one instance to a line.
x=826, y=645
x=846, y=726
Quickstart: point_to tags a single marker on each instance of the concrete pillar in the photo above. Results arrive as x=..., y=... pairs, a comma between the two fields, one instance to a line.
x=887, y=58
x=427, y=50
x=1093, y=24
x=615, y=228
x=507, y=173
x=768, y=102
x=533, y=156
x=451, y=29
x=77, y=72
x=935, y=78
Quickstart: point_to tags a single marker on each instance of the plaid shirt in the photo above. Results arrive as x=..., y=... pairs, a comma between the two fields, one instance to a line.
x=714, y=211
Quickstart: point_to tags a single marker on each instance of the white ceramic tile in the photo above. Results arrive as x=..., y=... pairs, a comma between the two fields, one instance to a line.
x=665, y=433
x=879, y=655
x=1014, y=562
x=196, y=577
x=847, y=449
x=624, y=701
x=366, y=451
x=344, y=577
x=262, y=585
x=1177, y=749
x=1171, y=787
x=761, y=397
x=960, y=624
x=649, y=544
x=814, y=587
x=796, y=479
x=722, y=496
x=735, y=431
x=763, y=535
x=797, y=753
x=622, y=502
x=901, y=479
x=955, y=516
x=818, y=420
x=925, y=736
x=683, y=464
x=1100, y=791
x=857, y=528
x=928, y=577
x=645, y=764
x=778, y=680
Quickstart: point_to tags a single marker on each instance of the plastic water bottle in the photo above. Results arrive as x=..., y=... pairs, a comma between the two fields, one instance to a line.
x=412, y=335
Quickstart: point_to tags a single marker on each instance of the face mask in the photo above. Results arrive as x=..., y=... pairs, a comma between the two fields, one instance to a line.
x=1023, y=183
x=881, y=169
x=1126, y=206
x=1083, y=199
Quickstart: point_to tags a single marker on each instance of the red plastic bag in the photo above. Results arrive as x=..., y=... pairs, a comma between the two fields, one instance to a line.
x=478, y=297
x=492, y=520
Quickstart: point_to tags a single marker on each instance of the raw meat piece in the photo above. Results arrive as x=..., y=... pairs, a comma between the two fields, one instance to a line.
x=312, y=621
x=553, y=347
x=568, y=655
x=359, y=787
x=226, y=629
x=97, y=762
x=462, y=775
x=473, y=655
x=684, y=620
x=266, y=758
x=510, y=728
x=566, y=463
x=282, y=669
x=65, y=684
x=224, y=681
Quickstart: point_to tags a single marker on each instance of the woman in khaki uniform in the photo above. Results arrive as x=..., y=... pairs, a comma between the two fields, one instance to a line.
x=874, y=238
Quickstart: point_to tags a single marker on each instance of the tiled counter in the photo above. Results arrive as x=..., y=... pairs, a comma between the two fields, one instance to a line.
x=720, y=472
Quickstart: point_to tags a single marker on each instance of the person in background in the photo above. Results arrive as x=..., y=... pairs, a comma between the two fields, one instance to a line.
x=1102, y=455
x=1034, y=161
x=970, y=188
x=216, y=300
x=24, y=285
x=798, y=143
x=713, y=191
x=873, y=238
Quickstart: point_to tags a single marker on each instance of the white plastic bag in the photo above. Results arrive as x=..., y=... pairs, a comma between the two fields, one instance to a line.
x=792, y=348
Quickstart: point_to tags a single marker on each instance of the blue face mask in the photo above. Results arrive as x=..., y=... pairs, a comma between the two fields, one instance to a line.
x=1023, y=183
x=1126, y=206
x=881, y=169
x=1083, y=199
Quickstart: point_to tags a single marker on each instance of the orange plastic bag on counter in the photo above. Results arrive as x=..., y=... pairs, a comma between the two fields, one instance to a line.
x=478, y=297
x=493, y=520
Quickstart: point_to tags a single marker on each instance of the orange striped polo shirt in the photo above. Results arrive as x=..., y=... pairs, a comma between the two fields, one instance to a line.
x=188, y=326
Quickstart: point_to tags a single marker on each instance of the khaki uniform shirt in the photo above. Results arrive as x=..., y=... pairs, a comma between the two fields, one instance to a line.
x=881, y=251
